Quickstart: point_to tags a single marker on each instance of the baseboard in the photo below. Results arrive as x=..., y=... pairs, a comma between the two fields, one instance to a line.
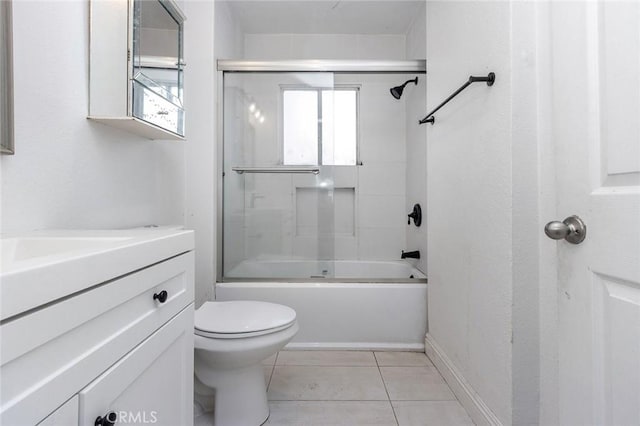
x=470, y=400
x=354, y=346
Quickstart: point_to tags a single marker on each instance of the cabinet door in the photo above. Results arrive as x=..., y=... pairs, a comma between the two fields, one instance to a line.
x=66, y=415
x=152, y=384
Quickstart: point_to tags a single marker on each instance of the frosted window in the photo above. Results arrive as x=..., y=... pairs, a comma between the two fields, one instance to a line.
x=300, y=127
x=338, y=114
x=339, y=127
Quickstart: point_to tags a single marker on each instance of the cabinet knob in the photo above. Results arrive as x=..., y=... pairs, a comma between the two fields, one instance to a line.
x=108, y=420
x=161, y=297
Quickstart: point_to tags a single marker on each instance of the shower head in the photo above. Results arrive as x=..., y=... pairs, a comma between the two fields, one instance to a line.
x=396, y=92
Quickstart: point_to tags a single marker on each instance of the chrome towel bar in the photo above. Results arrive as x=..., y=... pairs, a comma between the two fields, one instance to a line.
x=279, y=169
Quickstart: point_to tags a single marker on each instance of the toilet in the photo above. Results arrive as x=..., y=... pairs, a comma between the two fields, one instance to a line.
x=231, y=340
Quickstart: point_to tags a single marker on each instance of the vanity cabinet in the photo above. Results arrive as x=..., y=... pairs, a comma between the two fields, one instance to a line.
x=160, y=393
x=123, y=346
x=136, y=67
x=67, y=415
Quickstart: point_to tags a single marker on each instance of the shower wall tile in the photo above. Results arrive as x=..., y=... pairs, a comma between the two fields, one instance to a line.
x=338, y=248
x=381, y=211
x=312, y=248
x=234, y=250
x=380, y=243
x=267, y=244
x=382, y=179
x=417, y=160
x=345, y=248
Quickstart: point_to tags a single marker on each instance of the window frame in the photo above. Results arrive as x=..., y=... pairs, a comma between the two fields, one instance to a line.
x=319, y=89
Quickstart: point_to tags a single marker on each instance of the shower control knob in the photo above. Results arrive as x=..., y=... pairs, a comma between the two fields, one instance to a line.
x=572, y=229
x=108, y=420
x=416, y=215
x=161, y=297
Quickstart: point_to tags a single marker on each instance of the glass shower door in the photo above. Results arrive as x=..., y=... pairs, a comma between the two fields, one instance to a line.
x=279, y=216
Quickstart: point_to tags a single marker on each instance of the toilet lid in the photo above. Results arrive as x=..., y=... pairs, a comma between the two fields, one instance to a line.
x=237, y=317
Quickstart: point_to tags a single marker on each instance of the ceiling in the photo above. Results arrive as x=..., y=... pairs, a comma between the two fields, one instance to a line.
x=325, y=17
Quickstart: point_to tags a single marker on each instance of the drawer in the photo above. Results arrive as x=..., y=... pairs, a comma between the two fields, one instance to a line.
x=49, y=354
x=67, y=415
x=162, y=363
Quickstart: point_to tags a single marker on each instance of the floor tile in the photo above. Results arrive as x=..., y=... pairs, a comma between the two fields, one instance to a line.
x=268, y=370
x=326, y=358
x=271, y=360
x=294, y=383
x=347, y=413
x=415, y=384
x=402, y=359
x=436, y=413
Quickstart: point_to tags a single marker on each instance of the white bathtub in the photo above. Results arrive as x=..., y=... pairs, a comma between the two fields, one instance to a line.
x=348, y=270
x=375, y=307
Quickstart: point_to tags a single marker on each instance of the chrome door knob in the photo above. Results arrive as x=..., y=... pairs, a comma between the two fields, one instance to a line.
x=572, y=229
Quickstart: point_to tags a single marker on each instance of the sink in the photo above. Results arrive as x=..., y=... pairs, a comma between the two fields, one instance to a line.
x=42, y=267
x=22, y=249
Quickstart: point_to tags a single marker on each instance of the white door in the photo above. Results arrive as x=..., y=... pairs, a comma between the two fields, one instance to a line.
x=595, y=114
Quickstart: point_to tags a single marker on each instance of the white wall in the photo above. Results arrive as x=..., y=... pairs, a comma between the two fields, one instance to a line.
x=416, y=146
x=200, y=205
x=324, y=46
x=470, y=187
x=69, y=172
x=211, y=34
x=229, y=36
x=483, y=156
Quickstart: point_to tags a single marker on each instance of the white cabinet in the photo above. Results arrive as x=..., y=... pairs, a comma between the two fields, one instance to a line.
x=136, y=66
x=67, y=415
x=124, y=345
x=151, y=384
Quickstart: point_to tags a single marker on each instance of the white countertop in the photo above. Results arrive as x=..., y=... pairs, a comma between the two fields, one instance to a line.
x=40, y=267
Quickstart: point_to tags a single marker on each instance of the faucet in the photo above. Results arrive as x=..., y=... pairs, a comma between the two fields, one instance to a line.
x=410, y=254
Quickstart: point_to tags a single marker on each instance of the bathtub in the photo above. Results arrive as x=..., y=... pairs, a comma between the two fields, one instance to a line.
x=342, y=304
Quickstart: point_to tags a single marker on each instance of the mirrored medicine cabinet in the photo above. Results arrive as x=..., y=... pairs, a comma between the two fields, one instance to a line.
x=136, y=67
x=6, y=79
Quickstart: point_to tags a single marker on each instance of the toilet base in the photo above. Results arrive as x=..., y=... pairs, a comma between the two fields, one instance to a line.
x=240, y=395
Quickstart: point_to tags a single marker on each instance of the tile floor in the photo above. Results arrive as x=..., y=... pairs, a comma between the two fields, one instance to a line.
x=359, y=388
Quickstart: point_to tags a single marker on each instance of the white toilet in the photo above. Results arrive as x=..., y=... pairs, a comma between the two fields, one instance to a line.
x=231, y=340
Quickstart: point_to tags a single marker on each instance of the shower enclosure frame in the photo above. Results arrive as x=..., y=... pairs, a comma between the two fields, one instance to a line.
x=290, y=66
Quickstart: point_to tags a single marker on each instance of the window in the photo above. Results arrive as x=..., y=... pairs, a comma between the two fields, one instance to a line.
x=320, y=126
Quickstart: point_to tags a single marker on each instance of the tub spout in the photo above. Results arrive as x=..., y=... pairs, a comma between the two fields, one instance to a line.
x=410, y=254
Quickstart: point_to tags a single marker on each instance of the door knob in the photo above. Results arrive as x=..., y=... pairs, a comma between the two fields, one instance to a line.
x=572, y=229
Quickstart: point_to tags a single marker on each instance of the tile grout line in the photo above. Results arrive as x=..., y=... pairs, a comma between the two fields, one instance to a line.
x=385, y=389
x=273, y=369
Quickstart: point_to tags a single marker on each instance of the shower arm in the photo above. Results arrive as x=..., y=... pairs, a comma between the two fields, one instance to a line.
x=489, y=79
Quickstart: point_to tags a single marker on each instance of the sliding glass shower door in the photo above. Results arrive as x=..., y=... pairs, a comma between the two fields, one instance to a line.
x=286, y=136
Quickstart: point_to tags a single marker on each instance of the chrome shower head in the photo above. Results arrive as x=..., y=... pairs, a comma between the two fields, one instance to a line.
x=396, y=92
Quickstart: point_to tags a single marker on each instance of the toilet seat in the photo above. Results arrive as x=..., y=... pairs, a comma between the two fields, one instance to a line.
x=241, y=319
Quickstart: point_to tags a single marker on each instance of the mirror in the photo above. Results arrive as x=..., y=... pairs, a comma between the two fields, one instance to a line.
x=6, y=79
x=158, y=64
